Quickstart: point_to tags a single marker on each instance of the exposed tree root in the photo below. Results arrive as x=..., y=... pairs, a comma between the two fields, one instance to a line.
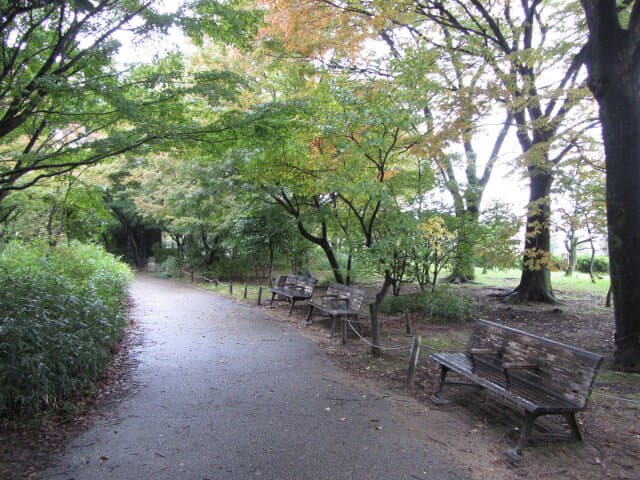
x=459, y=278
x=627, y=358
x=520, y=295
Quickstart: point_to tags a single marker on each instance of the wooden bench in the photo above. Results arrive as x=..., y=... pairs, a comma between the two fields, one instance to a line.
x=541, y=376
x=340, y=302
x=292, y=288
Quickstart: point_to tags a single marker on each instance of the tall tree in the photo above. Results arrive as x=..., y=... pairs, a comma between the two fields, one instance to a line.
x=614, y=78
x=512, y=39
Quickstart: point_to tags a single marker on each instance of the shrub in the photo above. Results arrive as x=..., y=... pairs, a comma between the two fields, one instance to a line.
x=170, y=268
x=442, y=304
x=600, y=264
x=62, y=309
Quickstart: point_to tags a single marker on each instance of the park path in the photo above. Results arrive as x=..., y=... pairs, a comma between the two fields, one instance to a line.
x=222, y=391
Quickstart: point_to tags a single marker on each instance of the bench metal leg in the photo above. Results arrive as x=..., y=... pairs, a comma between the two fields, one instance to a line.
x=293, y=302
x=573, y=424
x=344, y=329
x=516, y=454
x=333, y=325
x=308, y=322
x=435, y=396
x=273, y=295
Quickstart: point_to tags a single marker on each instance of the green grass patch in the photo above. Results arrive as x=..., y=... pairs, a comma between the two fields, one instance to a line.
x=438, y=344
x=611, y=376
x=579, y=283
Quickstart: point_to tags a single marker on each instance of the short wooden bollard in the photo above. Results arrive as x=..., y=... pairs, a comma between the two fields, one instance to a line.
x=413, y=360
x=245, y=291
x=407, y=322
x=259, y=295
x=230, y=288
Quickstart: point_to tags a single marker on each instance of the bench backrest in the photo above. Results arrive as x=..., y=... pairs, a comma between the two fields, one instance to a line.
x=304, y=284
x=281, y=280
x=566, y=371
x=355, y=296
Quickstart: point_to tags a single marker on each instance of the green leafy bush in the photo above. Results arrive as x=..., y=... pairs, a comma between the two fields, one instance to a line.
x=442, y=304
x=600, y=264
x=170, y=268
x=62, y=309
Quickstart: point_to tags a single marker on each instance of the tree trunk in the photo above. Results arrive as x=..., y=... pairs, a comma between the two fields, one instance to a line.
x=572, y=250
x=463, y=264
x=614, y=79
x=325, y=245
x=535, y=282
x=374, y=311
x=466, y=237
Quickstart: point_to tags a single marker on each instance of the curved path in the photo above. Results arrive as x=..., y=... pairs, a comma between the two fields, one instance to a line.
x=225, y=392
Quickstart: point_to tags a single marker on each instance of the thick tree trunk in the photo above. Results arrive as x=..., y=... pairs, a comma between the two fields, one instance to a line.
x=614, y=79
x=572, y=251
x=620, y=113
x=463, y=262
x=535, y=282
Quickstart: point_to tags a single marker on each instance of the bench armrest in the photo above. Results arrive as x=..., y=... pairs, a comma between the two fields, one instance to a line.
x=484, y=351
x=508, y=366
x=519, y=366
x=494, y=352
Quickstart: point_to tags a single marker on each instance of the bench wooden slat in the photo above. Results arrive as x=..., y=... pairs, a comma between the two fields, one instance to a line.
x=542, y=376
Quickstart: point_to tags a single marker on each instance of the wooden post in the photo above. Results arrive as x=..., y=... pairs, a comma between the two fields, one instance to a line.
x=191, y=276
x=343, y=318
x=407, y=322
x=230, y=288
x=413, y=360
x=245, y=291
x=259, y=295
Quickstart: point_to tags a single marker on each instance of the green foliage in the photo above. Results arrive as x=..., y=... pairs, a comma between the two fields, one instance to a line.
x=600, y=264
x=61, y=311
x=169, y=268
x=556, y=264
x=442, y=304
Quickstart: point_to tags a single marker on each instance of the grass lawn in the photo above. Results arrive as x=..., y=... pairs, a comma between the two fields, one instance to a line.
x=578, y=283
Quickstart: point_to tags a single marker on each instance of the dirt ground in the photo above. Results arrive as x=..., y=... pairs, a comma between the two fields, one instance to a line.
x=476, y=428
x=473, y=429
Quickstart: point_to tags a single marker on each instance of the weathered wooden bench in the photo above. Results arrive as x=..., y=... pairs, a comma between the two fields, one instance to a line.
x=340, y=302
x=541, y=376
x=292, y=288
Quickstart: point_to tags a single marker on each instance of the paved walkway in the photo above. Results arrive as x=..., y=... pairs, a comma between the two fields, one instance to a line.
x=225, y=392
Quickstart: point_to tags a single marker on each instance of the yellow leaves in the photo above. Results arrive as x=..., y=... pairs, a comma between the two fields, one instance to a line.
x=435, y=233
x=535, y=259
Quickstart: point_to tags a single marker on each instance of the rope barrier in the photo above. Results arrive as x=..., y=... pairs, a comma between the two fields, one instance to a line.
x=611, y=397
x=406, y=347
